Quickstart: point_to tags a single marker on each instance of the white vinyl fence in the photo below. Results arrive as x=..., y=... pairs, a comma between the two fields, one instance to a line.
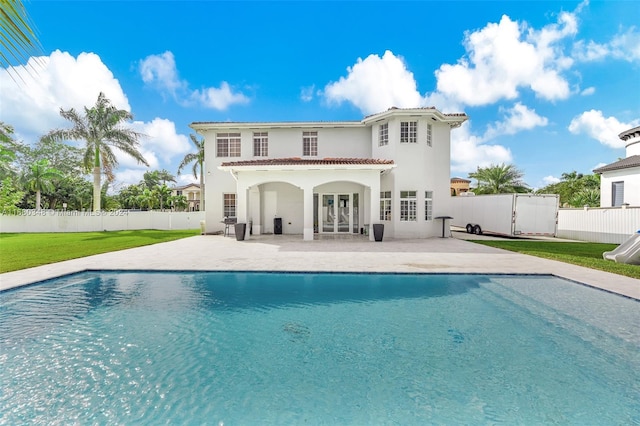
x=599, y=225
x=118, y=220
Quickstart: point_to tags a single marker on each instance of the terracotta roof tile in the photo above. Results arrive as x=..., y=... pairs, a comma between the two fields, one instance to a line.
x=625, y=163
x=297, y=161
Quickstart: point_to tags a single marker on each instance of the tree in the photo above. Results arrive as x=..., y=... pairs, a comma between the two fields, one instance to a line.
x=101, y=128
x=499, y=179
x=155, y=178
x=576, y=190
x=10, y=197
x=163, y=193
x=17, y=38
x=197, y=158
x=147, y=197
x=7, y=150
x=179, y=202
x=40, y=178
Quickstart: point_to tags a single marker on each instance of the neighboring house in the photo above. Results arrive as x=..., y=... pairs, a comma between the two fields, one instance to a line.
x=459, y=185
x=620, y=181
x=332, y=177
x=191, y=193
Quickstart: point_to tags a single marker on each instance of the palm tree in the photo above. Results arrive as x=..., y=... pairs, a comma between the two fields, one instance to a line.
x=179, y=202
x=197, y=158
x=499, y=179
x=164, y=193
x=17, y=38
x=101, y=127
x=40, y=178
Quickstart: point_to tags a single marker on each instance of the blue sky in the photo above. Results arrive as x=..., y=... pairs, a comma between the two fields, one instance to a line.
x=548, y=85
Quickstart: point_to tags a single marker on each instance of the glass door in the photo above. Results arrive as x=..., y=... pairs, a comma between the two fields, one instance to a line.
x=328, y=213
x=336, y=213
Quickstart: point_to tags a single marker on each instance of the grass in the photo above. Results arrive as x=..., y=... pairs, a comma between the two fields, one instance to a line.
x=26, y=250
x=583, y=254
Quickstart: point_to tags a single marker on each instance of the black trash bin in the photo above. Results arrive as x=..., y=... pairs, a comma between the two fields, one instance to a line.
x=277, y=225
x=240, y=229
x=378, y=231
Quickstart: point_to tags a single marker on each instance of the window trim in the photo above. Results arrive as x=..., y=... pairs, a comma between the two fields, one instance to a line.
x=383, y=134
x=429, y=134
x=260, y=144
x=231, y=142
x=408, y=206
x=408, y=132
x=385, y=206
x=428, y=205
x=226, y=207
x=616, y=187
x=310, y=137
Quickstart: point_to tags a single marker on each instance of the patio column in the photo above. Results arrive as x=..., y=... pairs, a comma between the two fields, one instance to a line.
x=307, y=233
x=254, y=203
x=374, y=206
x=242, y=205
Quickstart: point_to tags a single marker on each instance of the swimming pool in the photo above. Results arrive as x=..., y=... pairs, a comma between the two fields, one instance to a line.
x=331, y=348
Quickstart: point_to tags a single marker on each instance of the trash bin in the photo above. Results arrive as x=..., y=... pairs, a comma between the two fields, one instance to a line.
x=277, y=225
x=240, y=229
x=378, y=231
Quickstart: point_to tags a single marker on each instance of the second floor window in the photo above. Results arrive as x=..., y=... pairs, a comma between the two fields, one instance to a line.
x=309, y=144
x=408, y=206
x=429, y=135
x=383, y=134
x=385, y=205
x=260, y=144
x=228, y=145
x=408, y=132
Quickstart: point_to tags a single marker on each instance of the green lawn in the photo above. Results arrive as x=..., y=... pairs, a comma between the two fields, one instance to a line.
x=20, y=251
x=583, y=254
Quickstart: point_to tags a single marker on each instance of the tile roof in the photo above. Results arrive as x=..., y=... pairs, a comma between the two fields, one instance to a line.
x=625, y=163
x=457, y=179
x=297, y=161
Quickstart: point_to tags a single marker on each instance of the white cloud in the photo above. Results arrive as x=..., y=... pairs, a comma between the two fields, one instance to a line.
x=60, y=81
x=306, y=93
x=605, y=130
x=502, y=58
x=516, y=119
x=162, y=138
x=588, y=91
x=624, y=46
x=375, y=84
x=468, y=152
x=160, y=72
x=219, y=98
x=549, y=180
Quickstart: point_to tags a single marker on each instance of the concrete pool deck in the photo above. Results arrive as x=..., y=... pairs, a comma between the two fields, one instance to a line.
x=350, y=254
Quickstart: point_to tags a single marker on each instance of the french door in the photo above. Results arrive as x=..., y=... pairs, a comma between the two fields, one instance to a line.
x=336, y=213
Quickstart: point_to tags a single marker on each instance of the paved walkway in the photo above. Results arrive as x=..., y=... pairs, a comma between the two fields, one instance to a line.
x=356, y=254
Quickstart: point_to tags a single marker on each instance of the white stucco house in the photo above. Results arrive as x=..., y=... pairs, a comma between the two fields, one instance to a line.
x=337, y=177
x=620, y=181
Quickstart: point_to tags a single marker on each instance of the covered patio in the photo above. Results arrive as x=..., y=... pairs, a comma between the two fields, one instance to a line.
x=312, y=195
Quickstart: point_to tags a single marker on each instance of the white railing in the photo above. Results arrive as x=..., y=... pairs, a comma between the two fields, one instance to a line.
x=87, y=221
x=599, y=225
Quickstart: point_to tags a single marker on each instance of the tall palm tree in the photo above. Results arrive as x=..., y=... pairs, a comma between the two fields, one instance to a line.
x=197, y=158
x=18, y=41
x=101, y=127
x=40, y=178
x=499, y=179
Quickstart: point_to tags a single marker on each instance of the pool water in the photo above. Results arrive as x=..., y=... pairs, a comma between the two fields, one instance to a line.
x=271, y=348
